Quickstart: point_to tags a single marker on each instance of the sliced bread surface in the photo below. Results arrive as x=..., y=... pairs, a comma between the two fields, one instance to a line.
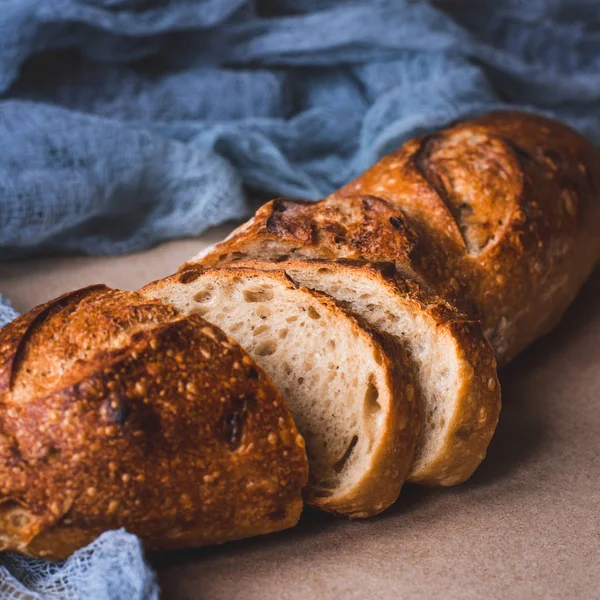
x=454, y=364
x=350, y=389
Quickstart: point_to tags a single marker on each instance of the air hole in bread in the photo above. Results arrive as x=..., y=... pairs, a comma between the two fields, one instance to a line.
x=263, y=312
x=234, y=256
x=266, y=348
x=203, y=297
x=258, y=295
x=339, y=465
x=189, y=276
x=324, y=271
x=291, y=319
x=309, y=363
x=260, y=329
x=378, y=356
x=300, y=380
x=313, y=313
x=371, y=396
x=283, y=334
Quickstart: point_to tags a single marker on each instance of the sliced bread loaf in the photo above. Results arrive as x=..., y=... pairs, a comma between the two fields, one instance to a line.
x=454, y=364
x=350, y=389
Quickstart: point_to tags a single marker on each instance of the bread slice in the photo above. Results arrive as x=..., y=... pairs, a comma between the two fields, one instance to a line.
x=350, y=389
x=454, y=364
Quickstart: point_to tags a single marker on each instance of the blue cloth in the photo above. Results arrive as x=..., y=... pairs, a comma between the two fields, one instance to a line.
x=7, y=312
x=128, y=122
x=110, y=568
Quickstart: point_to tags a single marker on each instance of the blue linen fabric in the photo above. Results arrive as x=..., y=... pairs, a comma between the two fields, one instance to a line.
x=124, y=123
x=128, y=122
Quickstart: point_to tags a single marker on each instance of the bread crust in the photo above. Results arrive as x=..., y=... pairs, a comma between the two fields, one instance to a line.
x=392, y=456
x=117, y=412
x=478, y=399
x=511, y=200
x=365, y=227
x=499, y=215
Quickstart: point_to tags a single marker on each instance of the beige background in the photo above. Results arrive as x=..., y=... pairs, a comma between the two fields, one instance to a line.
x=527, y=525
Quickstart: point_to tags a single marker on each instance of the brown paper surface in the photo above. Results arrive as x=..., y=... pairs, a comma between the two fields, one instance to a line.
x=527, y=524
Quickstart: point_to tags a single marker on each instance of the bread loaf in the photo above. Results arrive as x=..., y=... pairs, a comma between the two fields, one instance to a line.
x=129, y=409
x=349, y=388
x=511, y=202
x=455, y=368
x=499, y=215
x=115, y=411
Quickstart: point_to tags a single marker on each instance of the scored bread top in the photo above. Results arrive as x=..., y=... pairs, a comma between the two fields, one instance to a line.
x=355, y=228
x=512, y=201
x=117, y=412
x=285, y=228
x=499, y=215
x=349, y=387
x=454, y=365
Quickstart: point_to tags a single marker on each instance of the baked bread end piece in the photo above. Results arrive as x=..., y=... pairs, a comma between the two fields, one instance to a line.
x=116, y=411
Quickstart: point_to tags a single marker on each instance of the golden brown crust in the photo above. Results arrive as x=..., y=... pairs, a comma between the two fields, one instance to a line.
x=117, y=412
x=283, y=229
x=499, y=215
x=511, y=200
x=393, y=450
x=478, y=400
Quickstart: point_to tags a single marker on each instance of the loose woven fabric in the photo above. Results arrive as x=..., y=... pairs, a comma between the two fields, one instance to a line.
x=111, y=568
x=128, y=122
x=7, y=312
